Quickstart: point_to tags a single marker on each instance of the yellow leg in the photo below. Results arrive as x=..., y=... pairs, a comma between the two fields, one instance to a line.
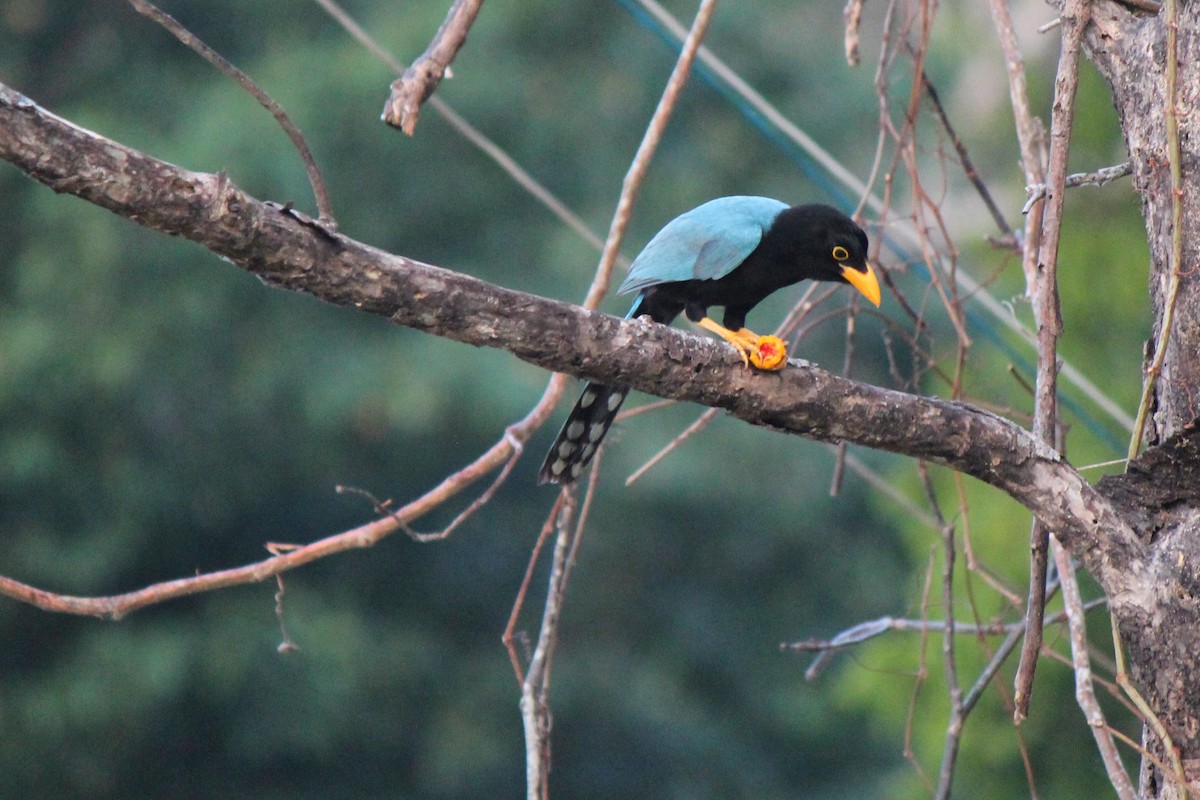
x=764, y=352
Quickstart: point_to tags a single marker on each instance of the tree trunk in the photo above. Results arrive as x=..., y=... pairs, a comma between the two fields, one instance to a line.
x=1163, y=635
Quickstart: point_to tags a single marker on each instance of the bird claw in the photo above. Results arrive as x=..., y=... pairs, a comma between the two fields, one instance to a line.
x=763, y=352
x=769, y=354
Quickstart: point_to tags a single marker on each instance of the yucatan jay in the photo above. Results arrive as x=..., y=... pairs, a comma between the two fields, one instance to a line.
x=731, y=252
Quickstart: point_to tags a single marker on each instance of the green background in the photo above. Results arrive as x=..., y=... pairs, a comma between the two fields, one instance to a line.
x=162, y=413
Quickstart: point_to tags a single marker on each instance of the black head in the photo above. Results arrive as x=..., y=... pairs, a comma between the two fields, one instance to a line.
x=827, y=244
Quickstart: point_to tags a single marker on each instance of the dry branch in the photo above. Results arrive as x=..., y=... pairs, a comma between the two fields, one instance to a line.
x=186, y=37
x=419, y=81
x=1048, y=314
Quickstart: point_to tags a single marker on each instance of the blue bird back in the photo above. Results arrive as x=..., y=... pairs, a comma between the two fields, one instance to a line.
x=706, y=243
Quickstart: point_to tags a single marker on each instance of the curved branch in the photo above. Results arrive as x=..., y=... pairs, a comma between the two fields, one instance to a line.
x=290, y=250
x=197, y=45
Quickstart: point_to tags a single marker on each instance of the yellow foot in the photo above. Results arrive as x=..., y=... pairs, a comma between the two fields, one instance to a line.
x=769, y=354
x=764, y=352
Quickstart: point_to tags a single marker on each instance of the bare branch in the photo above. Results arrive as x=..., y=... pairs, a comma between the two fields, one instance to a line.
x=865, y=631
x=510, y=637
x=1029, y=129
x=1099, y=177
x=964, y=158
x=535, y=689
x=324, y=208
x=1047, y=313
x=469, y=132
x=419, y=81
x=957, y=720
x=653, y=135
x=852, y=16
x=1085, y=693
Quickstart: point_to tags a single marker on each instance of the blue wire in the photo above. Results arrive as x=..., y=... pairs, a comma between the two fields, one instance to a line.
x=819, y=177
x=793, y=151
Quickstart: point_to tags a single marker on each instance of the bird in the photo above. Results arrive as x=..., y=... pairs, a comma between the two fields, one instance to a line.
x=731, y=252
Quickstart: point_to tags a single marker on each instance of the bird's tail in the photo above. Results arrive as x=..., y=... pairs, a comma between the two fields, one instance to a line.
x=581, y=434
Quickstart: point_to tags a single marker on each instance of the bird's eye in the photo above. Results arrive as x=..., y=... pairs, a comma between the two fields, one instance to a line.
x=840, y=253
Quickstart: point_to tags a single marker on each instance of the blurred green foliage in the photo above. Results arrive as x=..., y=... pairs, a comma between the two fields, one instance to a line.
x=163, y=413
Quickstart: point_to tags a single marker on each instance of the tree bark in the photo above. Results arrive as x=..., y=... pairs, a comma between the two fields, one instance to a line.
x=1130, y=49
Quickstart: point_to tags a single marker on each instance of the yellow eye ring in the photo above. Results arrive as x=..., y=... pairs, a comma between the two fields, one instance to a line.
x=840, y=253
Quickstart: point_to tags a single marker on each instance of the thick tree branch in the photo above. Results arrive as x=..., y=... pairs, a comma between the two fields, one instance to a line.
x=289, y=250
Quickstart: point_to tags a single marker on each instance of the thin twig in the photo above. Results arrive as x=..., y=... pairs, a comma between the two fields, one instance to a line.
x=964, y=158
x=1047, y=313
x=1141, y=751
x=865, y=631
x=852, y=16
x=886, y=55
x=877, y=482
x=957, y=715
x=1085, y=693
x=921, y=676
x=287, y=644
x=1175, y=265
x=321, y=193
x=422, y=77
x=1028, y=128
x=974, y=566
x=985, y=677
x=510, y=637
x=472, y=134
x=516, y=447
x=839, y=462
x=650, y=140
x=1035, y=609
x=699, y=424
x=535, y=710
x=1099, y=177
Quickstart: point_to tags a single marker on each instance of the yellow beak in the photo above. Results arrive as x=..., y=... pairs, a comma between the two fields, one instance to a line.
x=865, y=282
